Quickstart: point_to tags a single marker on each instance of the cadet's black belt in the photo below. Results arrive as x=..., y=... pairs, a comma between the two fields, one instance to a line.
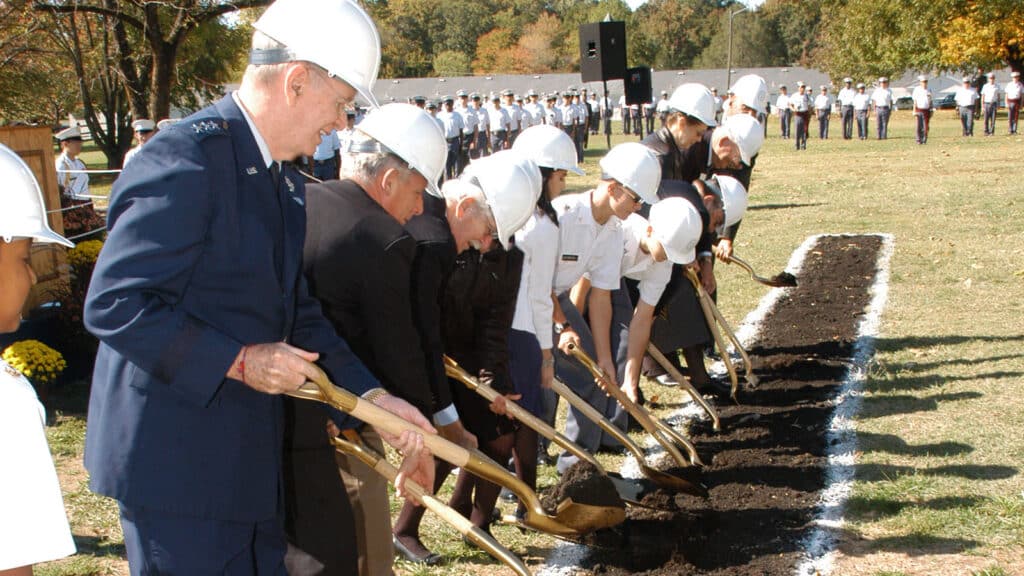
x=881, y=107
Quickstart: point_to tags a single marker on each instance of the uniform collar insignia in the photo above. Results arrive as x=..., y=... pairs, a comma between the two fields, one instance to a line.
x=251, y=171
x=288, y=182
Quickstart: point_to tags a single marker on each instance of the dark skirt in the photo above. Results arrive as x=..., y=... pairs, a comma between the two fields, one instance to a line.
x=680, y=322
x=524, y=364
x=475, y=413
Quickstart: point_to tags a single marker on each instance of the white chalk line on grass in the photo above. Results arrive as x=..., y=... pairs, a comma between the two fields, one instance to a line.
x=841, y=439
x=566, y=558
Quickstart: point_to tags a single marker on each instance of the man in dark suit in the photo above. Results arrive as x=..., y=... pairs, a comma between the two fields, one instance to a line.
x=357, y=260
x=203, y=315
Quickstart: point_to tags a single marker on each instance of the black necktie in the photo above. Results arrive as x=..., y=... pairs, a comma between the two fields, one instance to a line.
x=275, y=174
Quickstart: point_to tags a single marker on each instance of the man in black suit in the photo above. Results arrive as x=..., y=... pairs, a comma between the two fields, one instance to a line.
x=357, y=260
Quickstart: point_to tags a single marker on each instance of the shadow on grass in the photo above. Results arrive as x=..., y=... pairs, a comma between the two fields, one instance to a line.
x=98, y=547
x=895, y=344
x=783, y=206
x=861, y=508
x=914, y=366
x=931, y=381
x=911, y=545
x=890, y=472
x=882, y=406
x=893, y=444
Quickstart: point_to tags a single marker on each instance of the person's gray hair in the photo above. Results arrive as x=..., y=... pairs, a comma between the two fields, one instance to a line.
x=264, y=73
x=365, y=166
x=467, y=187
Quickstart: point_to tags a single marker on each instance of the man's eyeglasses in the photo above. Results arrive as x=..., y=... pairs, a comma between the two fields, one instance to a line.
x=342, y=103
x=632, y=195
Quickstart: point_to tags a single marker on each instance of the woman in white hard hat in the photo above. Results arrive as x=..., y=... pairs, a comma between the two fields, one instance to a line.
x=532, y=362
x=34, y=527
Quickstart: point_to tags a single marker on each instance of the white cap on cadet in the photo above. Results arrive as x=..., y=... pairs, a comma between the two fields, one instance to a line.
x=734, y=199
x=308, y=29
x=511, y=183
x=694, y=100
x=549, y=147
x=752, y=91
x=23, y=214
x=408, y=132
x=72, y=133
x=747, y=133
x=677, y=226
x=634, y=166
x=143, y=126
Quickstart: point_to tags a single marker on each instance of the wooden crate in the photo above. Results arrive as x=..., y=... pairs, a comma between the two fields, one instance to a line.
x=35, y=146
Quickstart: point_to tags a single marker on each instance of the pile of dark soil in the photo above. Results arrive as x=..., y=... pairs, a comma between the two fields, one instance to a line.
x=584, y=484
x=765, y=468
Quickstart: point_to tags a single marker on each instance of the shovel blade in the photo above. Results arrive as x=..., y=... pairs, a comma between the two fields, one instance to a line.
x=586, y=518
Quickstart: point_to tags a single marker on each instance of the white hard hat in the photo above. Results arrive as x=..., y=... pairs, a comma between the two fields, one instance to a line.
x=143, y=125
x=694, y=100
x=23, y=214
x=747, y=133
x=511, y=183
x=734, y=198
x=677, y=226
x=634, y=166
x=752, y=92
x=409, y=133
x=549, y=147
x=310, y=30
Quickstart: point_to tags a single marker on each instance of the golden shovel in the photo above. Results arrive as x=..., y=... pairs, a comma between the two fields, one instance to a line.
x=630, y=491
x=684, y=382
x=461, y=524
x=571, y=518
x=714, y=319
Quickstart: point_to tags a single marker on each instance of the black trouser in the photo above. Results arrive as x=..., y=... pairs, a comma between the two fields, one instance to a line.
x=1013, y=111
x=882, y=117
x=967, y=120
x=923, y=117
x=847, y=113
x=625, y=120
x=498, y=140
x=990, y=117
x=785, y=121
x=802, y=121
x=451, y=164
x=862, y=124
x=823, y=118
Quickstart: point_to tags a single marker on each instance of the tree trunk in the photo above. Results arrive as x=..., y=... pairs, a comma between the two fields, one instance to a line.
x=164, y=56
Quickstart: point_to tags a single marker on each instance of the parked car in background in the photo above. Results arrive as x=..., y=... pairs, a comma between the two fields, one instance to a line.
x=904, y=103
x=945, y=102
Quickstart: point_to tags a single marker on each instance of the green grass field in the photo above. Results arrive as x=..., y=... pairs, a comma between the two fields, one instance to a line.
x=939, y=486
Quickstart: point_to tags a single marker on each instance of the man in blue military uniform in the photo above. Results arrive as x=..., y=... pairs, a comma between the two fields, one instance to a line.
x=203, y=315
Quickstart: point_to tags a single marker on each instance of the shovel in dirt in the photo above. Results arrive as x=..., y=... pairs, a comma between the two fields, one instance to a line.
x=631, y=491
x=659, y=478
x=570, y=518
x=461, y=524
x=714, y=319
x=780, y=280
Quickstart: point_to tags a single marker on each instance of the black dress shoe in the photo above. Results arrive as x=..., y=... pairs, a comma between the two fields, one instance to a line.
x=428, y=559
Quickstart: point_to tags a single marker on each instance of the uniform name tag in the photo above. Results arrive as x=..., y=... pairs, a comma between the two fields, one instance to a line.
x=570, y=258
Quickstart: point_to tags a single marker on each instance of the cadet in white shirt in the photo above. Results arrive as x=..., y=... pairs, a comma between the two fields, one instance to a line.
x=861, y=103
x=531, y=343
x=590, y=232
x=144, y=130
x=624, y=111
x=478, y=148
x=990, y=103
x=845, y=98
x=552, y=113
x=71, y=176
x=922, y=109
x=1013, y=92
x=784, y=111
x=966, y=97
x=823, y=109
x=34, y=527
x=515, y=115
x=801, y=104
x=499, y=123
x=453, y=126
x=881, y=98
x=662, y=107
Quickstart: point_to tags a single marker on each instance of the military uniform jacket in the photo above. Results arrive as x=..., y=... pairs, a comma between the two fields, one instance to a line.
x=433, y=264
x=203, y=257
x=358, y=262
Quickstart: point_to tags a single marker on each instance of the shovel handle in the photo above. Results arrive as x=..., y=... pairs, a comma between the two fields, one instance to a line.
x=642, y=415
x=685, y=383
x=749, y=369
x=461, y=524
x=452, y=368
x=709, y=317
x=594, y=416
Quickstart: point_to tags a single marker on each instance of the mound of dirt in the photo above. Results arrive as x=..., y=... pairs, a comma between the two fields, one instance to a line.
x=584, y=484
